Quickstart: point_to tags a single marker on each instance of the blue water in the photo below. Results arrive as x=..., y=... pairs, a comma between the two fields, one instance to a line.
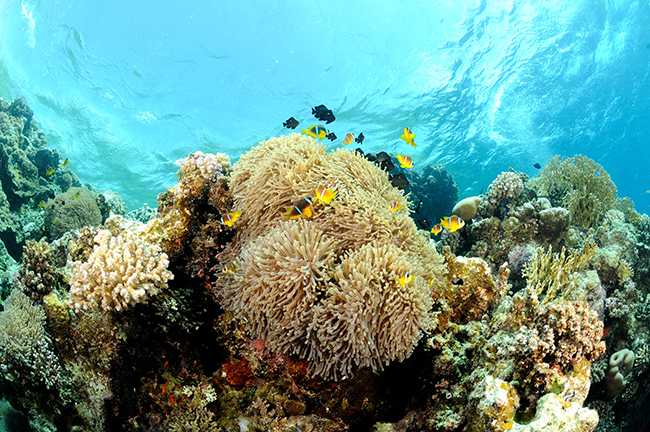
x=126, y=88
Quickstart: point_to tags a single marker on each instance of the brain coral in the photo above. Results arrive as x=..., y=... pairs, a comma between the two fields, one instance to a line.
x=326, y=288
x=73, y=209
x=121, y=271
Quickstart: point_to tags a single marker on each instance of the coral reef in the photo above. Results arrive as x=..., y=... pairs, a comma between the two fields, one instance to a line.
x=121, y=271
x=25, y=346
x=24, y=178
x=190, y=228
x=110, y=203
x=508, y=186
x=434, y=193
x=617, y=252
x=346, y=320
x=550, y=273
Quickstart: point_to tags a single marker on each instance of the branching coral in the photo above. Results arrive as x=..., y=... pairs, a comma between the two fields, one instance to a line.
x=578, y=184
x=549, y=273
x=327, y=288
x=25, y=347
x=121, y=271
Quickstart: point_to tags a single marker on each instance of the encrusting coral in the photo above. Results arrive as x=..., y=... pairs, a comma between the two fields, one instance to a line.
x=121, y=271
x=326, y=288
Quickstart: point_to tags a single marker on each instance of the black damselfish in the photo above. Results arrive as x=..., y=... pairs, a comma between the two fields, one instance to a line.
x=323, y=114
x=291, y=123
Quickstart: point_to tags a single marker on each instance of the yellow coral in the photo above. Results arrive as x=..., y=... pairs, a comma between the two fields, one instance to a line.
x=58, y=316
x=121, y=271
x=549, y=272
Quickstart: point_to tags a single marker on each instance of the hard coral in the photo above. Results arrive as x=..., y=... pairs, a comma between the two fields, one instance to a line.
x=73, y=209
x=25, y=346
x=37, y=275
x=507, y=186
x=327, y=288
x=191, y=211
x=467, y=208
x=434, y=193
x=121, y=271
x=543, y=336
x=470, y=287
x=578, y=184
x=551, y=274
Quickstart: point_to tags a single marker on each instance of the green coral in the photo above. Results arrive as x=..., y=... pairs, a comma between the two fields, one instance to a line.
x=580, y=185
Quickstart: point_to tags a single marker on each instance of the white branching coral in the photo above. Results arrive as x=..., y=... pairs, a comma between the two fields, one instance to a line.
x=121, y=271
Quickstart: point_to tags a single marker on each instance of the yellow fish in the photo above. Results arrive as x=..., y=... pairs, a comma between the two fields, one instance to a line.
x=408, y=136
x=301, y=208
x=76, y=194
x=406, y=278
x=452, y=223
x=349, y=138
x=49, y=170
x=437, y=228
x=66, y=162
x=405, y=161
x=230, y=268
x=316, y=131
x=324, y=195
x=41, y=204
x=230, y=218
x=395, y=206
